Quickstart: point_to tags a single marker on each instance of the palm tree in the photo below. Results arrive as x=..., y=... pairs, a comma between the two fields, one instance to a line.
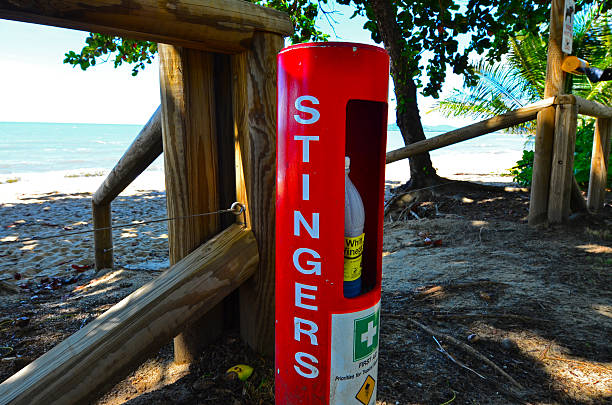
x=519, y=80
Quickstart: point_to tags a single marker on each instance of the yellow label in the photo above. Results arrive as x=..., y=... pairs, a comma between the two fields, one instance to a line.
x=367, y=389
x=353, y=250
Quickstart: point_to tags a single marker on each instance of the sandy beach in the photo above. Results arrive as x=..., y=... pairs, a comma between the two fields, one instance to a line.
x=56, y=203
x=496, y=271
x=49, y=204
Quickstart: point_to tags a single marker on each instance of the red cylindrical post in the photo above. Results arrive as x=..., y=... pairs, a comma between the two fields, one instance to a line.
x=332, y=103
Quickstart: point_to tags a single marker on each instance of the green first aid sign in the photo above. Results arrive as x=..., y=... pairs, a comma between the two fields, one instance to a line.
x=365, y=335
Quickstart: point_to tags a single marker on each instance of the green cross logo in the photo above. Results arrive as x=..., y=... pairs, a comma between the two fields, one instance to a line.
x=365, y=336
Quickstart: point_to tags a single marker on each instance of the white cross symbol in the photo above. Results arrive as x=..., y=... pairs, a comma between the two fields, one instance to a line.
x=369, y=335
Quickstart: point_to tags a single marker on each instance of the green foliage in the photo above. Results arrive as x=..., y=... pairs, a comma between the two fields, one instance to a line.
x=430, y=29
x=503, y=87
x=521, y=173
x=100, y=48
x=303, y=14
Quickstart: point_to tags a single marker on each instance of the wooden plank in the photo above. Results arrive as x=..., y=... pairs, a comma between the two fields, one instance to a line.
x=225, y=26
x=599, y=163
x=141, y=153
x=555, y=79
x=81, y=367
x=562, y=174
x=191, y=168
x=103, y=239
x=586, y=107
x=487, y=126
x=255, y=116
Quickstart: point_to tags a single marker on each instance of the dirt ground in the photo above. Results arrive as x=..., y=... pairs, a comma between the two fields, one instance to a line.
x=477, y=308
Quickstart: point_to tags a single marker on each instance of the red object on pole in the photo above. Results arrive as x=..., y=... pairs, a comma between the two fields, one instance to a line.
x=332, y=103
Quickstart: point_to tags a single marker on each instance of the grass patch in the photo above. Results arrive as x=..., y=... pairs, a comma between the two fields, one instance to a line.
x=13, y=180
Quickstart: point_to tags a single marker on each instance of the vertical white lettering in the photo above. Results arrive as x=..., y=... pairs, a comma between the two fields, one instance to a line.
x=313, y=230
x=299, y=295
x=305, y=187
x=309, y=110
x=312, y=371
x=316, y=266
x=305, y=145
x=297, y=328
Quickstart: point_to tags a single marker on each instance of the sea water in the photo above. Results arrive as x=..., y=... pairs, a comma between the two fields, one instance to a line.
x=488, y=154
x=43, y=147
x=87, y=148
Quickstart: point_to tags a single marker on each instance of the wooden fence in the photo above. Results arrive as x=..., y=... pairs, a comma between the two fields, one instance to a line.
x=217, y=128
x=563, y=191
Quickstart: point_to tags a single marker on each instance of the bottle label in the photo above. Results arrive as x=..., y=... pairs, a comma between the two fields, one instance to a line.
x=353, y=250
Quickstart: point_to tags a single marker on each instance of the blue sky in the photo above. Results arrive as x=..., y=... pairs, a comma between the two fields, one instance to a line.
x=38, y=87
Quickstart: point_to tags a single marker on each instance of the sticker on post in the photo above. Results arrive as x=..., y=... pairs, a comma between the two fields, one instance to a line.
x=568, y=26
x=354, y=367
x=367, y=389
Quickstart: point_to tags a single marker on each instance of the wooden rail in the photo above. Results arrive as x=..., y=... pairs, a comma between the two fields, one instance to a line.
x=225, y=26
x=108, y=348
x=563, y=191
x=141, y=153
x=484, y=127
x=586, y=107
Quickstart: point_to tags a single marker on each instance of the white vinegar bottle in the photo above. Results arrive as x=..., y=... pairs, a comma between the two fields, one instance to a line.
x=354, y=219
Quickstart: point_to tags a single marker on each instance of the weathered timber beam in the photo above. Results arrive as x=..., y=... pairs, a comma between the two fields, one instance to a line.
x=225, y=26
x=487, y=126
x=545, y=126
x=142, y=152
x=191, y=161
x=103, y=238
x=586, y=107
x=599, y=163
x=562, y=170
x=104, y=351
x=255, y=118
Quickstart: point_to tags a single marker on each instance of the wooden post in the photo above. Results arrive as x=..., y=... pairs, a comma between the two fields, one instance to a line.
x=103, y=240
x=140, y=154
x=599, y=163
x=255, y=117
x=561, y=177
x=191, y=166
x=555, y=78
x=105, y=350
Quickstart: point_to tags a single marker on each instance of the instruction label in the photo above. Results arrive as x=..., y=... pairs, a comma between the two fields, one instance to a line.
x=353, y=253
x=354, y=357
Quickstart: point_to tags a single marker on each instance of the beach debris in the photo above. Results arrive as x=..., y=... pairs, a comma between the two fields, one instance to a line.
x=429, y=241
x=473, y=338
x=239, y=371
x=17, y=276
x=81, y=269
x=508, y=344
x=22, y=321
x=6, y=350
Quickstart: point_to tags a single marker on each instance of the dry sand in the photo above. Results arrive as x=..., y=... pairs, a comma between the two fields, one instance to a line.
x=49, y=204
x=55, y=203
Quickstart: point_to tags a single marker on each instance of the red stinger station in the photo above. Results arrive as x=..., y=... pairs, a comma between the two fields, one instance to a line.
x=332, y=104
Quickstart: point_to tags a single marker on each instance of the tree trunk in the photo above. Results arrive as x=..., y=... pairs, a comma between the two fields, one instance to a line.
x=422, y=173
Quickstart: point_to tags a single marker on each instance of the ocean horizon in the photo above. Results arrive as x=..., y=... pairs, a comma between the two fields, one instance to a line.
x=82, y=149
